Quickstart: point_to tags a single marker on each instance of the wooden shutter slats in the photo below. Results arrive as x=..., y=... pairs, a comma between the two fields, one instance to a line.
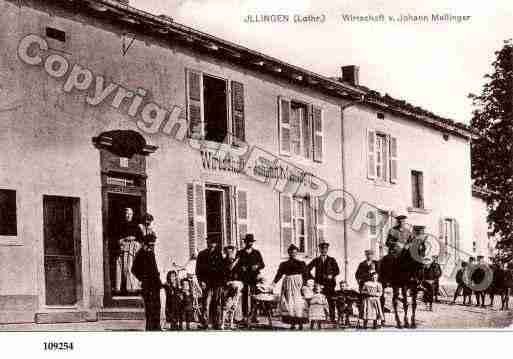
x=285, y=222
x=318, y=136
x=194, y=103
x=284, y=125
x=393, y=159
x=238, y=118
x=371, y=154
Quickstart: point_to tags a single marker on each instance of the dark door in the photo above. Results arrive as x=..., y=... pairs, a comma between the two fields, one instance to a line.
x=62, y=258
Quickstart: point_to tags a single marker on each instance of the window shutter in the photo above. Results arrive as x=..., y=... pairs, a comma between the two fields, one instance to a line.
x=194, y=88
x=310, y=227
x=393, y=159
x=285, y=222
x=371, y=154
x=242, y=215
x=307, y=132
x=196, y=217
x=443, y=248
x=414, y=190
x=456, y=239
x=320, y=224
x=318, y=136
x=284, y=125
x=238, y=126
x=421, y=189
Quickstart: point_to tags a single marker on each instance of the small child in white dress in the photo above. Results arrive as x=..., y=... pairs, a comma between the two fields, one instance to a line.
x=318, y=310
x=372, y=290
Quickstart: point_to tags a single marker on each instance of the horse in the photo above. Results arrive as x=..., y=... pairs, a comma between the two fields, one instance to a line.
x=402, y=270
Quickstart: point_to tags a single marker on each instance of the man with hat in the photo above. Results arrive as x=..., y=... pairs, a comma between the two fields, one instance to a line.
x=326, y=270
x=364, y=270
x=145, y=270
x=210, y=273
x=400, y=235
x=250, y=265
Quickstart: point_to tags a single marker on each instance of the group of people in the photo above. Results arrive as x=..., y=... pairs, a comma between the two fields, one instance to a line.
x=475, y=278
x=227, y=282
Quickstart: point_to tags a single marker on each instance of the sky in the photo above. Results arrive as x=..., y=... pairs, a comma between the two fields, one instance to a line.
x=432, y=65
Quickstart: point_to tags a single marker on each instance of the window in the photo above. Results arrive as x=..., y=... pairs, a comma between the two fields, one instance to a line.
x=449, y=234
x=379, y=225
x=474, y=246
x=302, y=223
x=8, y=220
x=207, y=108
x=56, y=34
x=381, y=157
x=299, y=223
x=417, y=189
x=300, y=129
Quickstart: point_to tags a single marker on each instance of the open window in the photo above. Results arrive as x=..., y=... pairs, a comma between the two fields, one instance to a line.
x=209, y=107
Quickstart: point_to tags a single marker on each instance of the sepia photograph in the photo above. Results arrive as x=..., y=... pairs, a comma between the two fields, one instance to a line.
x=255, y=166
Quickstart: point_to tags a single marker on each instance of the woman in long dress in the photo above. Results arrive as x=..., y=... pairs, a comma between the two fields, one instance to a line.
x=293, y=308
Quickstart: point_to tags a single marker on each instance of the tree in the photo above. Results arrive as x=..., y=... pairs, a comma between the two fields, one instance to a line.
x=492, y=150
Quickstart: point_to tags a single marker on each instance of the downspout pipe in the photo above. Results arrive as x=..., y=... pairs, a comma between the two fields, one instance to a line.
x=343, y=107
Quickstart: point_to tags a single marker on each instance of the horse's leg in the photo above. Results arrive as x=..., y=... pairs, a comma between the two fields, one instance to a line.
x=404, y=293
x=414, y=293
x=395, y=299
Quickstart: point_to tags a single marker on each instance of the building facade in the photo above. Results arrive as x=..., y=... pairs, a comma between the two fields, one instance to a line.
x=106, y=107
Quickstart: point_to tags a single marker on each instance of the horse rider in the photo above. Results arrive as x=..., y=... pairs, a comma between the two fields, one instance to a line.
x=399, y=235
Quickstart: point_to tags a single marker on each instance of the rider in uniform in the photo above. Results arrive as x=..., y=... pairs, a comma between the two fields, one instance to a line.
x=399, y=235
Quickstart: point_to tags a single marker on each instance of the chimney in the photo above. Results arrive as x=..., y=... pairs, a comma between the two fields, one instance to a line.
x=351, y=74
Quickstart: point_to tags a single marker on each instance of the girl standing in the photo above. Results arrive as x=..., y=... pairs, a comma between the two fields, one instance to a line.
x=372, y=291
x=318, y=310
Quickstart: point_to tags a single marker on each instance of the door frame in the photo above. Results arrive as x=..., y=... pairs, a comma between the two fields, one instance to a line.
x=78, y=244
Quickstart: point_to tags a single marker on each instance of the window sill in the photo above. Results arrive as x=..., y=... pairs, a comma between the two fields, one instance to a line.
x=381, y=183
x=10, y=241
x=418, y=210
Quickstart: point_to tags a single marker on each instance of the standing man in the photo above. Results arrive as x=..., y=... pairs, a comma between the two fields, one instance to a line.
x=326, y=270
x=250, y=264
x=363, y=272
x=436, y=270
x=146, y=271
x=210, y=270
x=478, y=276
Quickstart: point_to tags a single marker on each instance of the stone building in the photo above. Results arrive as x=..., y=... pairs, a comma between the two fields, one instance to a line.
x=106, y=107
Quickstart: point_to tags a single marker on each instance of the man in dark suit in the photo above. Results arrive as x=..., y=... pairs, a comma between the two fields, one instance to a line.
x=326, y=270
x=145, y=270
x=363, y=271
x=210, y=274
x=250, y=264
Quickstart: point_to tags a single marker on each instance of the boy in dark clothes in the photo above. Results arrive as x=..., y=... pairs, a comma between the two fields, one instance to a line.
x=187, y=304
x=173, y=301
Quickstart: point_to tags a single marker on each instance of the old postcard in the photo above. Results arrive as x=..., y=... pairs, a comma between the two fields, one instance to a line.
x=240, y=165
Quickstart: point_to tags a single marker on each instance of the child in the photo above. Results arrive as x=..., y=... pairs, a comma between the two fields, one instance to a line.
x=372, y=291
x=308, y=290
x=318, y=309
x=188, y=301
x=173, y=300
x=345, y=299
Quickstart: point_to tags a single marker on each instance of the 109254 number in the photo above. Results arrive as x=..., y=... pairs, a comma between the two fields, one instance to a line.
x=58, y=346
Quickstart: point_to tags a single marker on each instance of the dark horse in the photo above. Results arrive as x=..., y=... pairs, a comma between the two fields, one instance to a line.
x=402, y=270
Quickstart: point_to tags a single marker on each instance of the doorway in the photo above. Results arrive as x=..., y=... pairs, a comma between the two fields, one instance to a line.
x=217, y=208
x=120, y=259
x=62, y=257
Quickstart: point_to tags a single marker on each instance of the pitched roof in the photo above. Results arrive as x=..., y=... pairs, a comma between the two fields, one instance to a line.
x=164, y=27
